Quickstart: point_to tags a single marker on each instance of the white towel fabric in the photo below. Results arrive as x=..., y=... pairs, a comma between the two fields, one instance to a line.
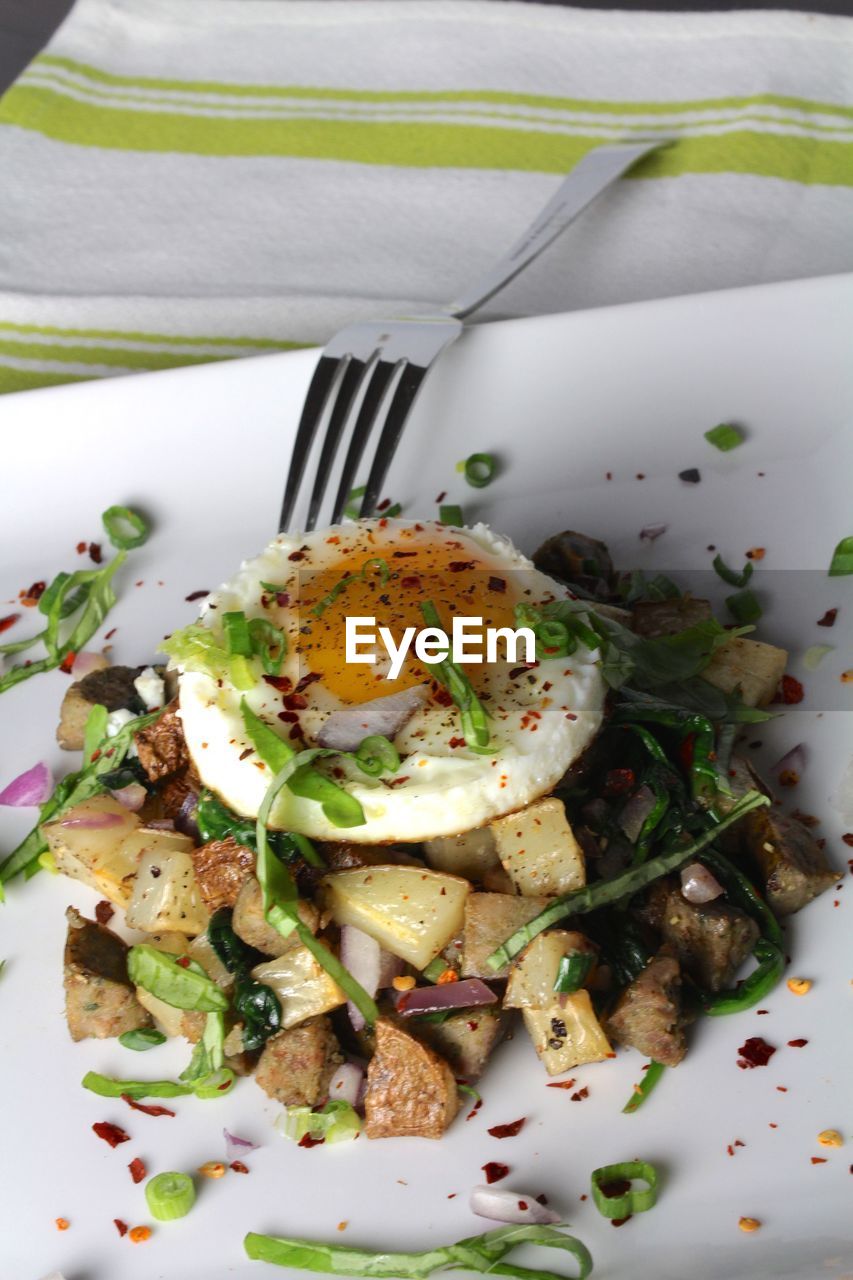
x=211, y=178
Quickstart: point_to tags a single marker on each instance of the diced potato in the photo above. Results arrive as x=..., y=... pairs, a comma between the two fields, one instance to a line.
x=169, y=1019
x=165, y=894
x=567, y=1034
x=749, y=666
x=471, y=854
x=532, y=976
x=202, y=952
x=96, y=855
x=412, y=912
x=302, y=985
x=538, y=849
x=490, y=918
x=466, y=1040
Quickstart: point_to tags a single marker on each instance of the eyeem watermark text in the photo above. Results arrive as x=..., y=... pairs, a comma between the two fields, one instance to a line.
x=468, y=641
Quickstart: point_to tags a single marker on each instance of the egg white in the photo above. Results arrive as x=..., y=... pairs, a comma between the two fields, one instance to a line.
x=439, y=789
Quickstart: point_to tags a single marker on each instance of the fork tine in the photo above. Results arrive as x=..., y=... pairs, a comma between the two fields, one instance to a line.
x=347, y=392
x=312, y=412
x=373, y=396
x=401, y=403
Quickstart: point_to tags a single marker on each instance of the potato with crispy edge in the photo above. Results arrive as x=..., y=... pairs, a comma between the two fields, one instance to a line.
x=747, y=667
x=489, y=920
x=411, y=1092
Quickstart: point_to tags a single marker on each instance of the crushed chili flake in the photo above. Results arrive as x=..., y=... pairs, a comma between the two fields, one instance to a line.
x=797, y=1044
x=507, y=1130
x=441, y=496
x=828, y=619
x=245, y=754
x=295, y=701
x=383, y=505
x=580, y=1095
x=790, y=691
x=403, y=555
x=137, y=1169
x=562, y=1084
x=412, y=582
x=497, y=584
x=110, y=1133
x=781, y=1088
x=296, y=555
x=788, y=778
x=474, y=1109
x=104, y=911
x=8, y=621
x=183, y=961
x=494, y=1171
x=121, y=1227
x=755, y=1052
x=848, y=838
x=620, y=1222
x=32, y=594
x=756, y=553
x=618, y=1187
x=196, y=595
x=818, y=1159
x=303, y=684
x=67, y=662
x=81, y=548
x=110, y=634
x=62, y=1224
x=283, y=684
x=238, y=1166
x=307, y=1141
x=147, y=1109
x=451, y=1195
x=96, y=555
x=618, y=781
x=541, y=1198
x=762, y=1010
x=456, y=742
x=140, y=1234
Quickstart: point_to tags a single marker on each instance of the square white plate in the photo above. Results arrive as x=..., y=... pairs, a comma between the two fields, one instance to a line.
x=564, y=401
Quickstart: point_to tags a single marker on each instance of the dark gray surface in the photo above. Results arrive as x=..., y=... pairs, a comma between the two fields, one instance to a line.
x=26, y=25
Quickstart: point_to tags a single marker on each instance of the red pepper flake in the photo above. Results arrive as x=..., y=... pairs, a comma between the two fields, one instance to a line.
x=580, y=1095
x=306, y=680
x=451, y=1195
x=620, y=1222
x=828, y=619
x=797, y=1044
x=756, y=553
x=295, y=701
x=244, y=755
x=104, y=911
x=460, y=566
x=410, y=583
x=522, y=1204
x=137, y=1169
x=306, y=1141
x=146, y=1108
x=818, y=1159
x=96, y=555
x=848, y=838
x=403, y=555
x=68, y=662
x=183, y=961
x=81, y=548
x=618, y=781
x=541, y=1198
x=507, y=1130
x=474, y=1109
x=497, y=584
x=771, y=1125
x=494, y=1171
x=781, y=1088
x=442, y=697
x=33, y=594
x=238, y=1166
x=562, y=1084
x=618, y=1187
x=383, y=505
x=110, y=634
x=441, y=497
x=196, y=595
x=283, y=684
x=755, y=1052
x=788, y=778
x=608, y=475
x=398, y=782
x=584, y=1196
x=8, y=621
x=456, y=742
x=296, y=555
x=121, y=1227
x=62, y=1224
x=790, y=691
x=762, y=1010
x=288, y=717
x=110, y=1133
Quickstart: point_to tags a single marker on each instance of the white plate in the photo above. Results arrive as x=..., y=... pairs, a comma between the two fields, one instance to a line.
x=564, y=400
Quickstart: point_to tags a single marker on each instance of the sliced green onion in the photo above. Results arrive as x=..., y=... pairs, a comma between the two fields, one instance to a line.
x=731, y=576
x=724, y=437
x=182, y=988
x=353, y=507
x=744, y=607
x=337, y=1121
x=170, y=1195
x=452, y=515
x=842, y=558
x=376, y=755
x=475, y=721
x=480, y=469
x=573, y=972
x=235, y=628
x=635, y=1200
x=759, y=984
x=106, y=1087
x=142, y=1038
x=390, y=513
x=815, y=654
x=116, y=521
x=651, y=1076
x=603, y=892
x=435, y=969
x=269, y=643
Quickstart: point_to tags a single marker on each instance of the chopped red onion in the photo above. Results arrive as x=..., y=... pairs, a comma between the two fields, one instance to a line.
x=94, y=821
x=346, y=729
x=504, y=1205
x=652, y=531
x=345, y=1085
x=793, y=760
x=185, y=819
x=29, y=789
x=635, y=812
x=361, y=956
x=86, y=662
x=161, y=824
x=448, y=995
x=132, y=796
x=236, y=1147
x=698, y=885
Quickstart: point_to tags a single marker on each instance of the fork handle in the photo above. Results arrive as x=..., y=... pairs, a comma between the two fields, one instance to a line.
x=590, y=176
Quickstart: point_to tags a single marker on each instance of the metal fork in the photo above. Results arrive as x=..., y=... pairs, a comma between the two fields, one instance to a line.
x=366, y=367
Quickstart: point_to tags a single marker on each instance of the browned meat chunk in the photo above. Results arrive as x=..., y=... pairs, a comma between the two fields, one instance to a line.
x=110, y=686
x=296, y=1065
x=490, y=918
x=654, y=618
x=248, y=921
x=99, y=997
x=174, y=791
x=711, y=940
x=648, y=1013
x=791, y=861
x=411, y=1092
x=576, y=558
x=221, y=869
x=161, y=746
x=466, y=1040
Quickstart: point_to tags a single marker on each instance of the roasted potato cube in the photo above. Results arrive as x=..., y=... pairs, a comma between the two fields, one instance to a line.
x=99, y=996
x=489, y=920
x=648, y=1013
x=539, y=851
x=466, y=1040
x=411, y=911
x=165, y=894
x=533, y=974
x=97, y=855
x=250, y=924
x=302, y=985
x=471, y=854
x=748, y=666
x=792, y=863
x=221, y=869
x=411, y=1092
x=296, y=1065
x=654, y=618
x=567, y=1033
x=171, y=1021
x=201, y=950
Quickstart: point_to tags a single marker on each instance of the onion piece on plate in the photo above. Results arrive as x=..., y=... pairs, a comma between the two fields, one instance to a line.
x=504, y=1205
x=346, y=729
x=346, y=1084
x=698, y=885
x=29, y=789
x=93, y=821
x=635, y=812
x=467, y=994
x=132, y=796
x=86, y=662
x=236, y=1147
x=369, y=964
x=793, y=761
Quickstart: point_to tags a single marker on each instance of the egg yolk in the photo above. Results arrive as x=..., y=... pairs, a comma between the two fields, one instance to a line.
x=390, y=583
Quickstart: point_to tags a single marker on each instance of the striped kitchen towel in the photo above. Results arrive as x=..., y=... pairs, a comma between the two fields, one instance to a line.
x=193, y=181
